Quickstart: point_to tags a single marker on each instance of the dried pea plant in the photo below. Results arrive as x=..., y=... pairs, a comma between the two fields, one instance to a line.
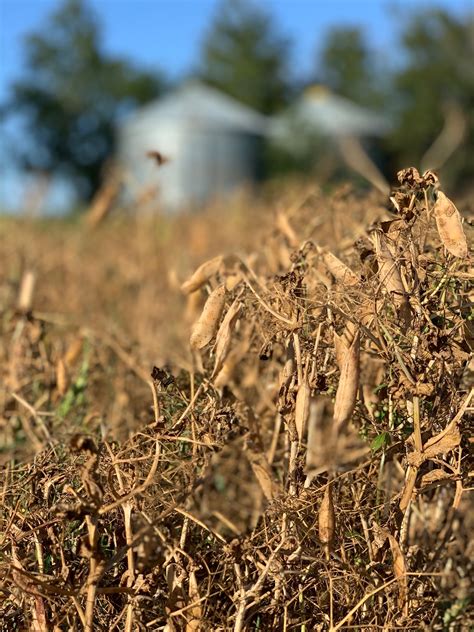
x=309, y=473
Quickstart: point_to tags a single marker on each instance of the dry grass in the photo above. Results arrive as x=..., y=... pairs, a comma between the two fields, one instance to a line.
x=304, y=465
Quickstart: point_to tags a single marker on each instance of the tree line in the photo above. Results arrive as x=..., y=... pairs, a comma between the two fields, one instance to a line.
x=73, y=93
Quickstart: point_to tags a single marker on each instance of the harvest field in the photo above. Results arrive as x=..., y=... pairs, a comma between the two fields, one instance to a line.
x=254, y=418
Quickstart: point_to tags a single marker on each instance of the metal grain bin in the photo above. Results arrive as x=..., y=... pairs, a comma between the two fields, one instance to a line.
x=319, y=111
x=212, y=144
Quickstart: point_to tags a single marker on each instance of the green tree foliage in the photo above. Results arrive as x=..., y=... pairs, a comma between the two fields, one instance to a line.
x=348, y=67
x=439, y=71
x=246, y=57
x=72, y=95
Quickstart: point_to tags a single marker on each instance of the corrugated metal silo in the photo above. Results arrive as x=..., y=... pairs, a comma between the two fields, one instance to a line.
x=320, y=111
x=212, y=143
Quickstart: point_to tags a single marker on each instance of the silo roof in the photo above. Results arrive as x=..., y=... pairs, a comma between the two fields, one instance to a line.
x=198, y=105
x=334, y=115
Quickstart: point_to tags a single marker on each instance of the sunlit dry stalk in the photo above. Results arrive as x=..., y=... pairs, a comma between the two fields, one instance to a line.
x=283, y=224
x=205, y=327
x=127, y=514
x=448, y=141
x=105, y=198
x=61, y=377
x=95, y=570
x=399, y=570
x=448, y=222
x=202, y=275
x=358, y=159
x=25, y=294
x=292, y=323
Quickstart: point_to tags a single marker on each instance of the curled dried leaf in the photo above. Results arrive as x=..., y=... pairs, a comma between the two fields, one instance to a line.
x=447, y=440
x=410, y=177
x=202, y=275
x=224, y=335
x=205, y=327
x=434, y=476
x=389, y=272
x=449, y=225
x=339, y=270
x=194, y=609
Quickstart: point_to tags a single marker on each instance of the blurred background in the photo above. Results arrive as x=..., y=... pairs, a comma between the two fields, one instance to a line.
x=182, y=100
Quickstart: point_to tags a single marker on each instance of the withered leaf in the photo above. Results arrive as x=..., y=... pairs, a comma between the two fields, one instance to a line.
x=399, y=570
x=444, y=442
x=448, y=222
x=262, y=470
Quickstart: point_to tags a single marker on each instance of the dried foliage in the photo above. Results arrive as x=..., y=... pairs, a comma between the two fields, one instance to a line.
x=307, y=465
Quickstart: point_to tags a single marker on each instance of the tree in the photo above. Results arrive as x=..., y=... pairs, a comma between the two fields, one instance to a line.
x=438, y=74
x=246, y=57
x=73, y=95
x=348, y=67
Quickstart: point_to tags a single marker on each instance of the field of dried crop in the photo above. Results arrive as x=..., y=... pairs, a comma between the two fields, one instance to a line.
x=254, y=418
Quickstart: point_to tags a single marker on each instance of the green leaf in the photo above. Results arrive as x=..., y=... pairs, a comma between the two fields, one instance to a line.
x=381, y=441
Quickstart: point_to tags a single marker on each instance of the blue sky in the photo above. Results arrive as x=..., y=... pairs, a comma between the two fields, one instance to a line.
x=168, y=34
